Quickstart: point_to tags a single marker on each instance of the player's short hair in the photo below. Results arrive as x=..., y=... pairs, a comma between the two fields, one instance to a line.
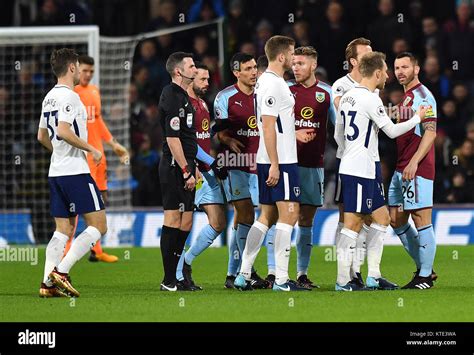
x=201, y=65
x=308, y=51
x=410, y=55
x=86, y=59
x=371, y=62
x=262, y=63
x=351, y=49
x=277, y=45
x=176, y=59
x=238, y=59
x=60, y=60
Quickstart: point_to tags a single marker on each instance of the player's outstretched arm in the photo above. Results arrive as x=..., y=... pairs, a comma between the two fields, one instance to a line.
x=64, y=131
x=43, y=138
x=395, y=130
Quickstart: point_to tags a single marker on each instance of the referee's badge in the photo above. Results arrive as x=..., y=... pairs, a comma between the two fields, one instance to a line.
x=174, y=123
x=320, y=97
x=189, y=120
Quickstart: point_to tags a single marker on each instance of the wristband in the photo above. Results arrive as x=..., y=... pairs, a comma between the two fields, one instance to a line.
x=185, y=169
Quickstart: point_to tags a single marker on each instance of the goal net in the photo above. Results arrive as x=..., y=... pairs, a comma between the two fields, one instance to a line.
x=25, y=78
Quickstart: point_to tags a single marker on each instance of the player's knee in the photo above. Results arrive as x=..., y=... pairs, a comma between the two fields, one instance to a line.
x=172, y=220
x=246, y=217
x=65, y=229
x=186, y=224
x=385, y=220
x=290, y=218
x=304, y=221
x=218, y=224
x=396, y=221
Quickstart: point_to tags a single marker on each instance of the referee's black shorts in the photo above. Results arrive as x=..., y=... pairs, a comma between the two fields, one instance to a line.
x=175, y=197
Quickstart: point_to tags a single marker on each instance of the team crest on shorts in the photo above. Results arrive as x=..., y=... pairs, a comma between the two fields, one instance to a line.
x=320, y=97
x=369, y=203
x=296, y=190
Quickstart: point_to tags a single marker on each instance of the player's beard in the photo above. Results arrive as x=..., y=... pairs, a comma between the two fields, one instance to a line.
x=76, y=80
x=199, y=92
x=288, y=64
x=409, y=78
x=381, y=85
x=303, y=78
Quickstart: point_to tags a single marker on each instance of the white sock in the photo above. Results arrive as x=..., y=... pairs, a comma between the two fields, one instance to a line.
x=54, y=253
x=345, y=250
x=80, y=247
x=340, y=225
x=282, y=252
x=374, y=243
x=360, y=251
x=255, y=238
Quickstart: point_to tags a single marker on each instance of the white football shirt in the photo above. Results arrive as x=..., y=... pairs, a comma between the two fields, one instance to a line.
x=63, y=104
x=363, y=114
x=274, y=98
x=339, y=88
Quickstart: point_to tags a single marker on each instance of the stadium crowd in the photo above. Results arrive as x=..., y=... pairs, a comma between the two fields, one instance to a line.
x=440, y=33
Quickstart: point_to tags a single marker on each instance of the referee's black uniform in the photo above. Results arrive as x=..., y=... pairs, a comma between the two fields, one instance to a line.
x=177, y=120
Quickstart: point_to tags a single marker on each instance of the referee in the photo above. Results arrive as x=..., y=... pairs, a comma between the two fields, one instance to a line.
x=178, y=171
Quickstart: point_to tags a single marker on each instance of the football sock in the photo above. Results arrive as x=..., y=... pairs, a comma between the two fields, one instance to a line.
x=345, y=249
x=255, y=239
x=304, y=246
x=242, y=233
x=340, y=225
x=234, y=254
x=409, y=238
x=71, y=237
x=360, y=251
x=271, y=250
x=201, y=243
x=427, y=249
x=179, y=268
x=179, y=247
x=167, y=241
x=80, y=247
x=54, y=254
x=375, y=238
x=282, y=251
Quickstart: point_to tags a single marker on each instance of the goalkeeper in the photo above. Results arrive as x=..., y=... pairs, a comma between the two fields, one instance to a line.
x=98, y=133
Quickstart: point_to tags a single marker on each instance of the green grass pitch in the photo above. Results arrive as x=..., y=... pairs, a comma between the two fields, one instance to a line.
x=129, y=291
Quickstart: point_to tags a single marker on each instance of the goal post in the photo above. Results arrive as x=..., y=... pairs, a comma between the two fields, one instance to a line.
x=15, y=36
